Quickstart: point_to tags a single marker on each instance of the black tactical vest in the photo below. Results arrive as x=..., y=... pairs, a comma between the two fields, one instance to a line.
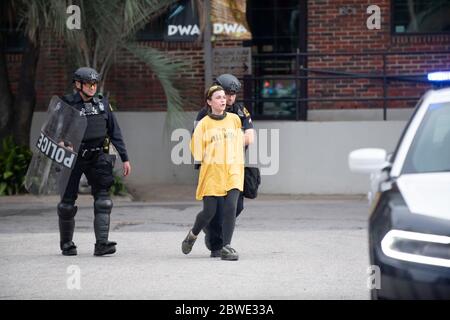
x=96, y=116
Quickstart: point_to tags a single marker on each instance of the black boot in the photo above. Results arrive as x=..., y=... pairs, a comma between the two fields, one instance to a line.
x=102, y=211
x=66, y=213
x=69, y=249
x=102, y=248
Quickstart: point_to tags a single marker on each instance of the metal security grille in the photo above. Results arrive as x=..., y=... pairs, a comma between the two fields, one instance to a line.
x=283, y=87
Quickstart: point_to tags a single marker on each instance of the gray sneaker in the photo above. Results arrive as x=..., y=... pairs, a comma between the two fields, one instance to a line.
x=228, y=253
x=188, y=243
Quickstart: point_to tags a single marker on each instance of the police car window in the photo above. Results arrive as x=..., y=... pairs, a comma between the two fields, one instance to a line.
x=430, y=150
x=416, y=108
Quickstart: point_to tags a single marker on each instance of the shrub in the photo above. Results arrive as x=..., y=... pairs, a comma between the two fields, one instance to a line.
x=14, y=161
x=118, y=188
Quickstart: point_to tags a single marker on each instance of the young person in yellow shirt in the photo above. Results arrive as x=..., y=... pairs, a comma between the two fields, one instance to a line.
x=218, y=143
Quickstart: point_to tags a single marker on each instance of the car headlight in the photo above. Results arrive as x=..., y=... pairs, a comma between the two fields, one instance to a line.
x=417, y=247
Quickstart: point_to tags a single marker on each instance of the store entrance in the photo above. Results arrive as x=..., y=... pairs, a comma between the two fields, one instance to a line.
x=278, y=30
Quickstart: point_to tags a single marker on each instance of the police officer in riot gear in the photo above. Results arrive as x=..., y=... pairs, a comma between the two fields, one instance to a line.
x=93, y=161
x=231, y=85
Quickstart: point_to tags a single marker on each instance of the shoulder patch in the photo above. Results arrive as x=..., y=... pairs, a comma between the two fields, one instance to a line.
x=247, y=114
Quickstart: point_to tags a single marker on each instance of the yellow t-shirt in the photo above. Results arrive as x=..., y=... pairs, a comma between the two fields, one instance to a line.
x=219, y=146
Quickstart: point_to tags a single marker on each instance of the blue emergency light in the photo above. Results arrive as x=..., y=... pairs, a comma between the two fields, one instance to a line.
x=439, y=76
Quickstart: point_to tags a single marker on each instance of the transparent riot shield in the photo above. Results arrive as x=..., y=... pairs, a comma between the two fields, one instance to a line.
x=56, y=149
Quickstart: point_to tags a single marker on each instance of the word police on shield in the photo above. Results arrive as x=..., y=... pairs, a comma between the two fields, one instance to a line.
x=55, y=152
x=56, y=149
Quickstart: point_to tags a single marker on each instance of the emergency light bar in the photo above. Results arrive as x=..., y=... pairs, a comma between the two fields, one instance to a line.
x=439, y=76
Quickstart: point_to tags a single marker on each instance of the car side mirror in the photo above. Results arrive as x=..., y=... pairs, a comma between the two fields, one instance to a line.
x=368, y=160
x=389, y=157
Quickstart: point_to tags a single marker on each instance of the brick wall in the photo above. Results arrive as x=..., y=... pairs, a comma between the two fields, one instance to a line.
x=133, y=87
x=51, y=73
x=131, y=84
x=332, y=33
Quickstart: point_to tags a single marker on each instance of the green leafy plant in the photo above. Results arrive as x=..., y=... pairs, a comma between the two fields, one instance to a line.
x=14, y=161
x=118, y=188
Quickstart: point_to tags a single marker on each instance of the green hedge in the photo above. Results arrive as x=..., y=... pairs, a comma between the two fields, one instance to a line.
x=14, y=161
x=118, y=188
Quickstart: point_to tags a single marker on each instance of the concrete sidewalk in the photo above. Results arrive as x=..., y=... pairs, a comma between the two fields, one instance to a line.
x=289, y=249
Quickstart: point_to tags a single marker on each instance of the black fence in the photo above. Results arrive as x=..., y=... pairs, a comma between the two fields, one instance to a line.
x=291, y=70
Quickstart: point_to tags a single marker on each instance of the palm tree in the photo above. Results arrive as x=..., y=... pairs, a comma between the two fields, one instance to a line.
x=106, y=28
x=16, y=112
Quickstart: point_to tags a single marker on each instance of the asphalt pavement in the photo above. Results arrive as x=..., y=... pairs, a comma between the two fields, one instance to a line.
x=289, y=247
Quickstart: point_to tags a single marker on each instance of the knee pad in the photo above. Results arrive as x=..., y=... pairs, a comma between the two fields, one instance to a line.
x=66, y=211
x=103, y=205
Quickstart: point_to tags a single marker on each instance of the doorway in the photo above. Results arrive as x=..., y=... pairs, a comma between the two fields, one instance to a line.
x=278, y=30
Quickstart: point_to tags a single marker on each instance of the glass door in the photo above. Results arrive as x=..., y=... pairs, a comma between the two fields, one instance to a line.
x=278, y=34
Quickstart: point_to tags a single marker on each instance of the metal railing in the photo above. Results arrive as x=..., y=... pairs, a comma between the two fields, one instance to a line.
x=302, y=76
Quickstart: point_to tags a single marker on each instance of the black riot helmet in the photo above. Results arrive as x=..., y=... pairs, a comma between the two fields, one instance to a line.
x=229, y=83
x=86, y=74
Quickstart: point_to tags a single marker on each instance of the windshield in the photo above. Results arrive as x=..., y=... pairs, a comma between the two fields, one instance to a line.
x=430, y=150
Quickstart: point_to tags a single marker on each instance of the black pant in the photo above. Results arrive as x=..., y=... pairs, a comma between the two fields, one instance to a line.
x=213, y=230
x=98, y=171
x=228, y=204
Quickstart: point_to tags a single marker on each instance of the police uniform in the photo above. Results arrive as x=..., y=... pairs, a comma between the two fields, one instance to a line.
x=97, y=166
x=213, y=238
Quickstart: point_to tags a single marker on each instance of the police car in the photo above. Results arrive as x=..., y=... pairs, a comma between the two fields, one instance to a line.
x=409, y=224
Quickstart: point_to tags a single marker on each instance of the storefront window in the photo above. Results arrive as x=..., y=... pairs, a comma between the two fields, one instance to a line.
x=274, y=25
x=278, y=30
x=13, y=40
x=421, y=16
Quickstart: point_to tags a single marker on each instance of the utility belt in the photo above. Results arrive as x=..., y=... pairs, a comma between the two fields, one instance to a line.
x=87, y=153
